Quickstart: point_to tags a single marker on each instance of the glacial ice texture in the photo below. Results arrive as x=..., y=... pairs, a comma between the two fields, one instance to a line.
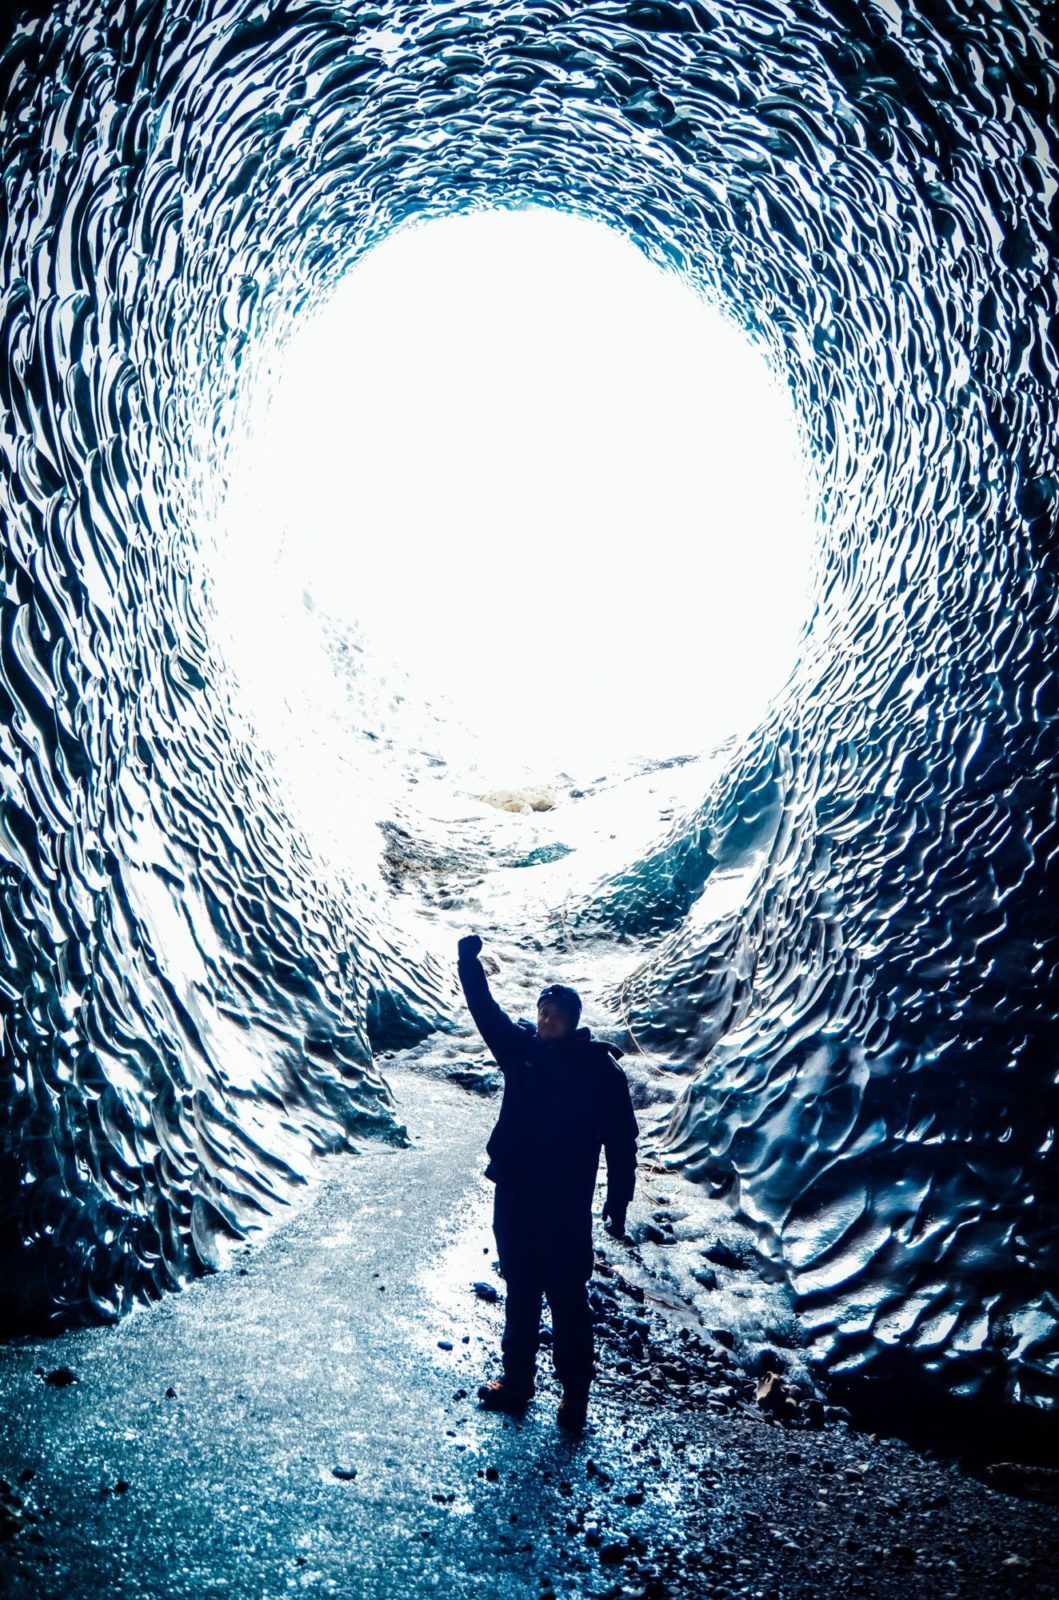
x=851, y=943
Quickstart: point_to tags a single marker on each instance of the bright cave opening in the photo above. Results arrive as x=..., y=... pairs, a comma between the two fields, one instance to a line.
x=516, y=501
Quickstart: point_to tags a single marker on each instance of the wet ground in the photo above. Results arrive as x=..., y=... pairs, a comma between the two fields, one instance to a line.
x=305, y=1423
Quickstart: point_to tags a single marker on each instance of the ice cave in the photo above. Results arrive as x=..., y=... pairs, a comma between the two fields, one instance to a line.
x=843, y=946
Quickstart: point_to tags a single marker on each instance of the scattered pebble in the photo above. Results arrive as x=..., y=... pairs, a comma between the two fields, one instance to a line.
x=61, y=1377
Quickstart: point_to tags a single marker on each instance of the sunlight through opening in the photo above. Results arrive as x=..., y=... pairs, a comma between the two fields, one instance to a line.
x=548, y=487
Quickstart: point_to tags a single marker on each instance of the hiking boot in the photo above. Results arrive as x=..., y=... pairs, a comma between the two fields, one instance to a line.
x=573, y=1410
x=503, y=1395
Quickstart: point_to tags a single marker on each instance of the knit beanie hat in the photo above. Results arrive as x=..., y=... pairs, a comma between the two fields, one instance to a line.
x=565, y=998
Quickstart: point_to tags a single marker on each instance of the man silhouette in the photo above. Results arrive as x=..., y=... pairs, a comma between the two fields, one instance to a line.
x=565, y=1099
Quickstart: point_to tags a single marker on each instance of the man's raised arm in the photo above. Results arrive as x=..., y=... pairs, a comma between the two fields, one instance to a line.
x=504, y=1037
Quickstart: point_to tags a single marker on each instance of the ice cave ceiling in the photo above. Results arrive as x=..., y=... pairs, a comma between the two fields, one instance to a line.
x=188, y=1008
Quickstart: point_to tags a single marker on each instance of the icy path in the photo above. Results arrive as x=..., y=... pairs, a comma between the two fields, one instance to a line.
x=321, y=1352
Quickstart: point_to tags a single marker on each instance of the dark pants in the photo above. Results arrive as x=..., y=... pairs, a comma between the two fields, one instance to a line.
x=544, y=1250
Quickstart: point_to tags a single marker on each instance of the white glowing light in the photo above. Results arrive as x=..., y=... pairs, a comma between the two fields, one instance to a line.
x=546, y=477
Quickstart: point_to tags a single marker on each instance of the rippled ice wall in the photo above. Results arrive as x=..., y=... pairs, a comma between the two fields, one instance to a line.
x=852, y=947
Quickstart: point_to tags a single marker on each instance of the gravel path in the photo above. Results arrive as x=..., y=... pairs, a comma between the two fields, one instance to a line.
x=304, y=1423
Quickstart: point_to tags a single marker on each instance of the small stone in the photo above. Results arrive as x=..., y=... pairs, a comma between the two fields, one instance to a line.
x=61, y=1377
x=345, y=1473
x=486, y=1291
x=444, y=1344
x=491, y=1474
x=705, y=1276
x=613, y=1552
x=121, y=1487
x=170, y=1393
x=12, y=1519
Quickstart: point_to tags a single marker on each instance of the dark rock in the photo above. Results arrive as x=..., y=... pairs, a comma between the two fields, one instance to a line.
x=492, y=1474
x=481, y=1080
x=61, y=1377
x=346, y=1473
x=486, y=1291
x=722, y=1255
x=170, y=1393
x=614, y=1551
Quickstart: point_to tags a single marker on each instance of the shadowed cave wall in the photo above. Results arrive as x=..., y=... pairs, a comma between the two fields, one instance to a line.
x=189, y=1009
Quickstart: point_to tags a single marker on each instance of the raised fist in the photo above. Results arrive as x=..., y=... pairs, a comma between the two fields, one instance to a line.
x=470, y=945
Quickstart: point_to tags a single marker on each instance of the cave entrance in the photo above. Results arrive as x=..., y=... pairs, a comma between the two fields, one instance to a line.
x=516, y=506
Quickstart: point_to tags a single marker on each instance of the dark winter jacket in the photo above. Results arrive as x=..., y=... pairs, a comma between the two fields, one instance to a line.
x=564, y=1100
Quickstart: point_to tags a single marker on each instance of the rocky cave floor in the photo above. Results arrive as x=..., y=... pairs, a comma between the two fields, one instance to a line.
x=304, y=1422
